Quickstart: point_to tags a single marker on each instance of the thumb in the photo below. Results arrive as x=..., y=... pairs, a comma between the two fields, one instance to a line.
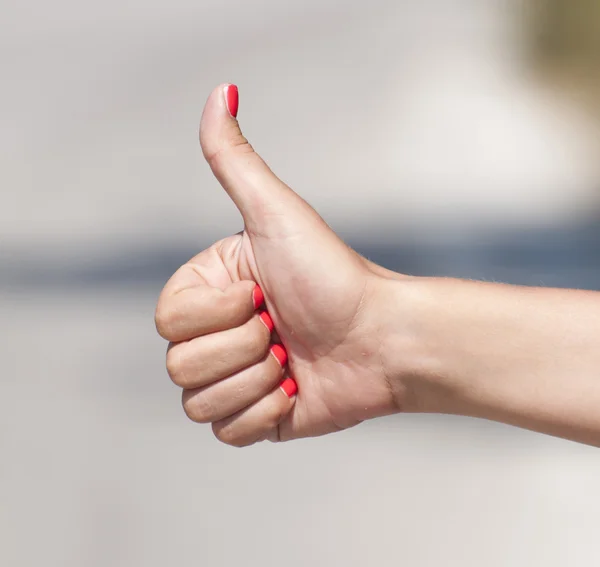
x=268, y=205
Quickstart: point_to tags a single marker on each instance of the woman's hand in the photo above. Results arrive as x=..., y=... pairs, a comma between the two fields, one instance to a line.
x=359, y=341
x=326, y=302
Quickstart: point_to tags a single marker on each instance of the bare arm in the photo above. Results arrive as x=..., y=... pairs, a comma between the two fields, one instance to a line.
x=525, y=356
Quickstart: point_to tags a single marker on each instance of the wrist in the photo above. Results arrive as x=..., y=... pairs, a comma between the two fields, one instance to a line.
x=412, y=367
x=523, y=356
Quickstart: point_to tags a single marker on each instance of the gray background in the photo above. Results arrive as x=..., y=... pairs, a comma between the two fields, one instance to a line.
x=418, y=131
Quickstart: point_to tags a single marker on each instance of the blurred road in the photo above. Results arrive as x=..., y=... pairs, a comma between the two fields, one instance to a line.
x=415, y=130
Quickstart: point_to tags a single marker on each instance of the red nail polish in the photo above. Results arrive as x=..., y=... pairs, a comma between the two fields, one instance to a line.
x=280, y=354
x=232, y=97
x=266, y=319
x=258, y=297
x=289, y=386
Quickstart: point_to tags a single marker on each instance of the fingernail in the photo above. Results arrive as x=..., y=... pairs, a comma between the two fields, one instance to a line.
x=266, y=319
x=280, y=354
x=232, y=97
x=290, y=387
x=258, y=297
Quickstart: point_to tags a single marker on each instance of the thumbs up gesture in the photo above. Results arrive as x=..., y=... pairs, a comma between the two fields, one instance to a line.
x=277, y=332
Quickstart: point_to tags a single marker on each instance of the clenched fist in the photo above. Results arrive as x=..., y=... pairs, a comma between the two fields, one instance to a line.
x=279, y=331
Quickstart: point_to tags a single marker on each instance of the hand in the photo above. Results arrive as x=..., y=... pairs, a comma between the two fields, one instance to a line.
x=327, y=304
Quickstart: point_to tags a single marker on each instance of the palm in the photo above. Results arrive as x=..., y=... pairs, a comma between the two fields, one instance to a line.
x=317, y=317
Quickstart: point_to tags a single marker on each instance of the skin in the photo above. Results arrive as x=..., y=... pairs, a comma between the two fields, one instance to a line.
x=362, y=342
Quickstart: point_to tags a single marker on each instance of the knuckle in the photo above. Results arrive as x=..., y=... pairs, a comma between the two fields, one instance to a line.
x=162, y=321
x=228, y=435
x=220, y=158
x=198, y=408
x=224, y=434
x=175, y=367
x=166, y=322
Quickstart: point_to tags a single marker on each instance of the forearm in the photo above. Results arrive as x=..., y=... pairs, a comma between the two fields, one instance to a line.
x=525, y=356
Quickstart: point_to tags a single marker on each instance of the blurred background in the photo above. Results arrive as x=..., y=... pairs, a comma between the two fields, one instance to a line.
x=448, y=137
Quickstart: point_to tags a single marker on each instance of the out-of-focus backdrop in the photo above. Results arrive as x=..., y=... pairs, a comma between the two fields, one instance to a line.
x=450, y=137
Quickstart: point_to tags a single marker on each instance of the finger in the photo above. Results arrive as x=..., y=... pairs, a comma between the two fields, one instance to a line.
x=227, y=397
x=204, y=360
x=195, y=311
x=283, y=228
x=259, y=421
x=257, y=192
